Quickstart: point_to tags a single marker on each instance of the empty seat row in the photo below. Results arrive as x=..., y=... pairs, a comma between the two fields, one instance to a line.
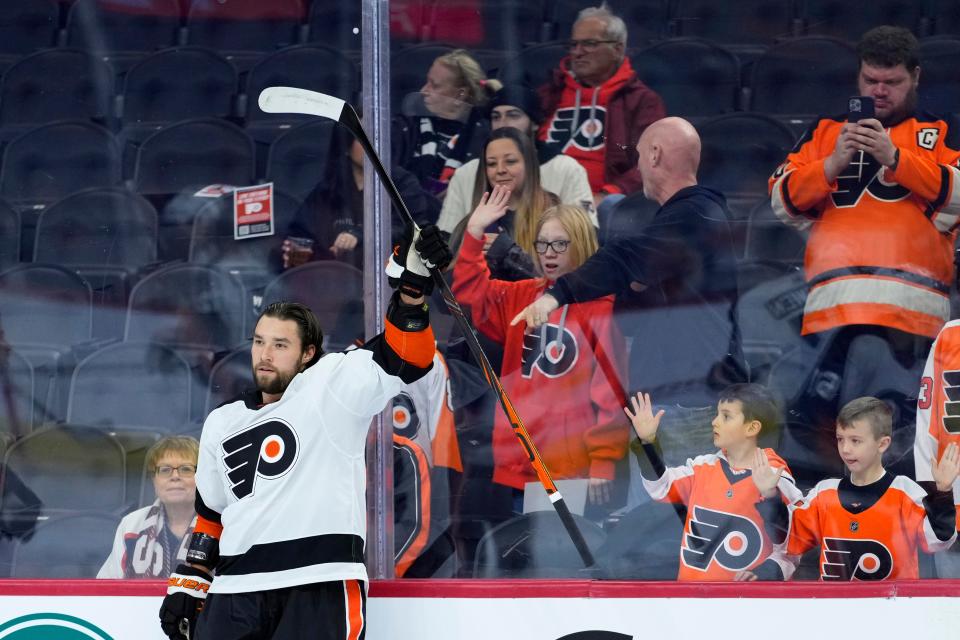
x=166, y=86
x=697, y=77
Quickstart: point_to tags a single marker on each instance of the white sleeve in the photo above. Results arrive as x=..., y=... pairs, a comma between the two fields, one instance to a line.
x=360, y=386
x=567, y=178
x=456, y=202
x=112, y=566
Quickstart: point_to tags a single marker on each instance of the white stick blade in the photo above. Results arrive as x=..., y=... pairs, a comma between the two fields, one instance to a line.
x=294, y=100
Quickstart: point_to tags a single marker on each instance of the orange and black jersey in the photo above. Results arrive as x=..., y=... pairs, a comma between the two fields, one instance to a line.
x=880, y=250
x=871, y=532
x=938, y=406
x=729, y=527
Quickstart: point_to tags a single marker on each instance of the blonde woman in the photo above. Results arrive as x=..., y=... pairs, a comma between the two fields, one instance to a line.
x=151, y=541
x=435, y=142
x=554, y=375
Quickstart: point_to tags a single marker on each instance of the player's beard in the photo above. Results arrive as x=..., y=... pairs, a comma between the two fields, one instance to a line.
x=275, y=384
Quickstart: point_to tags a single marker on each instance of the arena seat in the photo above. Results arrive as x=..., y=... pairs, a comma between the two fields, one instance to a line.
x=9, y=235
x=244, y=25
x=939, y=90
x=105, y=26
x=132, y=385
x=337, y=25
x=850, y=20
x=298, y=157
x=333, y=291
x=532, y=66
x=178, y=84
x=809, y=75
x=694, y=77
x=741, y=23
x=192, y=154
x=51, y=161
x=56, y=84
x=72, y=546
x=229, y=377
x=28, y=25
x=646, y=20
x=409, y=67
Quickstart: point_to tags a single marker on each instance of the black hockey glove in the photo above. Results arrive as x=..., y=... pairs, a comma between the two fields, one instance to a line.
x=409, y=266
x=186, y=594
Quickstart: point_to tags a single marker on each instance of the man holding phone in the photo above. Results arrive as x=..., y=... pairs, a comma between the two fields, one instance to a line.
x=880, y=195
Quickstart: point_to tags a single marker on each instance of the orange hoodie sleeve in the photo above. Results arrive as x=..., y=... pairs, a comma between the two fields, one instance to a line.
x=488, y=299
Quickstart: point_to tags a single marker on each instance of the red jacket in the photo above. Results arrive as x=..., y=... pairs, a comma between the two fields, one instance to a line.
x=563, y=395
x=626, y=112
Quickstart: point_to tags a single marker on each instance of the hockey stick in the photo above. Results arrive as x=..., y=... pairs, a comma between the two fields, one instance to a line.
x=303, y=101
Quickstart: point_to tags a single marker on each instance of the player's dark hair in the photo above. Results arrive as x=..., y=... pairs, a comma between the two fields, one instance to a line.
x=758, y=404
x=875, y=411
x=887, y=47
x=308, y=327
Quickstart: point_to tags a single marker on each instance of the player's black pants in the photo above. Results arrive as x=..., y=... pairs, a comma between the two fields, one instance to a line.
x=320, y=611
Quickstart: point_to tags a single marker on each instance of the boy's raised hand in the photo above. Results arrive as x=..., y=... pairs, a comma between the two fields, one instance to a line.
x=645, y=424
x=946, y=472
x=765, y=476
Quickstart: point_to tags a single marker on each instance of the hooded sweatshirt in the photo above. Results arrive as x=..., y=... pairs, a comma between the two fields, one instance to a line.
x=599, y=126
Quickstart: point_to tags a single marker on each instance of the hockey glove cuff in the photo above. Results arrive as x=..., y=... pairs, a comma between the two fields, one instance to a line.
x=186, y=592
x=409, y=266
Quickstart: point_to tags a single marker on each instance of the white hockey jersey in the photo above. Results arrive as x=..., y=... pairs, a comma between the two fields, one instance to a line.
x=288, y=478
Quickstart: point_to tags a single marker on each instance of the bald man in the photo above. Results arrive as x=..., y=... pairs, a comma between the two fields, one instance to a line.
x=682, y=263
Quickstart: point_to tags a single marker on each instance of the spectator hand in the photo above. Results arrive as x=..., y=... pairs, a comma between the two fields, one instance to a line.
x=870, y=136
x=947, y=471
x=645, y=424
x=537, y=312
x=186, y=593
x=765, y=476
x=843, y=152
x=492, y=207
x=744, y=576
x=598, y=490
x=346, y=241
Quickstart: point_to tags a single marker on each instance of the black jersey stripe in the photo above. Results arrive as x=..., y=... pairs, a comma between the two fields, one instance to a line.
x=293, y=554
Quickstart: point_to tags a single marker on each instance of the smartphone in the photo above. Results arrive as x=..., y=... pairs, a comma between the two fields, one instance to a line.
x=860, y=108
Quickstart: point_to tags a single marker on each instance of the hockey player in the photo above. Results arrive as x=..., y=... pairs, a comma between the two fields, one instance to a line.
x=724, y=535
x=937, y=424
x=281, y=475
x=870, y=525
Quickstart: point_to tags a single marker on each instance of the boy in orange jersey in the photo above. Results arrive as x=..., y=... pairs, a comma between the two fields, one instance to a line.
x=870, y=525
x=724, y=536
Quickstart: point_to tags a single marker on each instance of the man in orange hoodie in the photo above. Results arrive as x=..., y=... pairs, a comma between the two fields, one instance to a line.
x=597, y=105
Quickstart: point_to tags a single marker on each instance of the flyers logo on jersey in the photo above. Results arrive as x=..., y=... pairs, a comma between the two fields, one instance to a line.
x=266, y=450
x=864, y=174
x=553, y=356
x=576, y=128
x=732, y=541
x=855, y=560
x=406, y=422
x=951, y=405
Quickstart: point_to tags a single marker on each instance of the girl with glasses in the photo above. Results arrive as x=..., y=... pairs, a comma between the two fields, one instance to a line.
x=562, y=377
x=151, y=541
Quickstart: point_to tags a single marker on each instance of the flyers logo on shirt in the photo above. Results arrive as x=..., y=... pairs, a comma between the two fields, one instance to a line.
x=554, y=356
x=848, y=560
x=732, y=541
x=267, y=450
x=864, y=174
x=576, y=128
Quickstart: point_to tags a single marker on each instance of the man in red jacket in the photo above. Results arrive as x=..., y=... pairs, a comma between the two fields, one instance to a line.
x=597, y=105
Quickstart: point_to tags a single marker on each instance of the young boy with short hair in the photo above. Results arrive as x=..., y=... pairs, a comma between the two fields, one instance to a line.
x=870, y=525
x=724, y=537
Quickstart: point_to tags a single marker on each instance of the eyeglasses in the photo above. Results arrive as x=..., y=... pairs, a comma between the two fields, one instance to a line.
x=559, y=246
x=184, y=470
x=588, y=45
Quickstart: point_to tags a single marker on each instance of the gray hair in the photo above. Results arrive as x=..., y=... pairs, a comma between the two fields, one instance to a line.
x=616, y=28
